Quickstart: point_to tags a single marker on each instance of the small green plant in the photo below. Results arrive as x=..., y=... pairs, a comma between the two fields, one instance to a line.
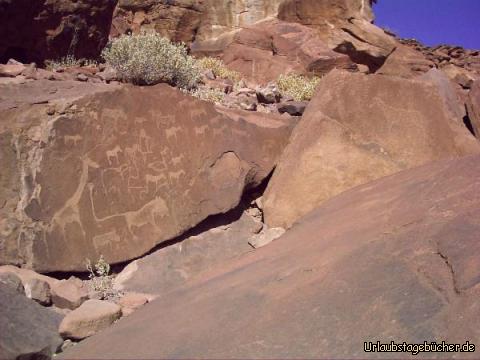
x=100, y=279
x=207, y=94
x=219, y=69
x=148, y=58
x=62, y=63
x=299, y=87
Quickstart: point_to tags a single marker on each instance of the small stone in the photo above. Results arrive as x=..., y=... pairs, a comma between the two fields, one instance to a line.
x=82, y=77
x=69, y=294
x=39, y=291
x=108, y=75
x=91, y=317
x=209, y=74
x=67, y=344
x=293, y=108
x=131, y=302
x=13, y=281
x=268, y=94
x=11, y=70
x=266, y=237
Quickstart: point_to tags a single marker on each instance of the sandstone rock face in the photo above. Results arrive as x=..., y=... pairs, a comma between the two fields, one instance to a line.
x=325, y=13
x=406, y=62
x=40, y=29
x=143, y=166
x=189, y=20
x=394, y=259
x=473, y=107
x=222, y=16
x=264, y=51
x=356, y=129
x=169, y=268
x=176, y=20
x=90, y=318
x=29, y=331
x=345, y=25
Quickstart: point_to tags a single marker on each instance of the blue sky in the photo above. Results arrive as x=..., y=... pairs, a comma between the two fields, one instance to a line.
x=433, y=22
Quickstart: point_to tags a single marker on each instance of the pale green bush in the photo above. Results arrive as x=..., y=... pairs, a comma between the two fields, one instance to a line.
x=299, y=87
x=148, y=59
x=219, y=69
x=100, y=279
x=207, y=94
x=67, y=62
x=62, y=63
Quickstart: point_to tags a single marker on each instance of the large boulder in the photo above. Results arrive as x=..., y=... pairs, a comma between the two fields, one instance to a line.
x=29, y=331
x=396, y=259
x=36, y=30
x=118, y=172
x=356, y=129
x=473, y=107
x=406, y=62
x=262, y=52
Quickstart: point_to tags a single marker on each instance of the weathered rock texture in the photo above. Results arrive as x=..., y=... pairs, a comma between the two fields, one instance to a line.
x=356, y=129
x=28, y=330
x=266, y=50
x=394, y=259
x=121, y=171
x=35, y=30
x=345, y=25
x=177, y=20
x=189, y=20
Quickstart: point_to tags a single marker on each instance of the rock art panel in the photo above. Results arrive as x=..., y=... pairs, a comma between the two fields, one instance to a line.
x=123, y=171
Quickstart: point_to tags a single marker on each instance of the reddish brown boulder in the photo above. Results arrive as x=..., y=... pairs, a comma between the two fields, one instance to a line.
x=406, y=62
x=37, y=30
x=266, y=50
x=396, y=259
x=473, y=108
x=143, y=165
x=345, y=25
x=358, y=128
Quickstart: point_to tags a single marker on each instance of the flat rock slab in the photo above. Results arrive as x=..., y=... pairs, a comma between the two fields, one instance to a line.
x=28, y=330
x=396, y=259
x=144, y=165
